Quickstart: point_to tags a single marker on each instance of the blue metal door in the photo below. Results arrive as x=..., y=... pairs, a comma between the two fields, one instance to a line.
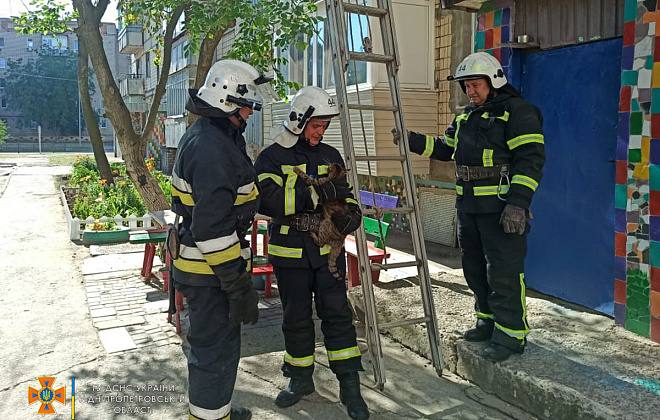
x=571, y=245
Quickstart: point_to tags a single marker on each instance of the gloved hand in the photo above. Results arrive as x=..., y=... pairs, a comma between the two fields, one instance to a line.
x=348, y=222
x=243, y=300
x=513, y=219
x=413, y=135
x=332, y=190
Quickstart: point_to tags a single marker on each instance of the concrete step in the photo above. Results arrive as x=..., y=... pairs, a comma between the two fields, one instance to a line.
x=577, y=365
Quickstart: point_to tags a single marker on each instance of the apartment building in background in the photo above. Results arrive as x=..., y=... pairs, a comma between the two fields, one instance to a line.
x=14, y=46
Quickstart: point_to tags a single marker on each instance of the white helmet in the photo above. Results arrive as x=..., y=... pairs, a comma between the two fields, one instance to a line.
x=480, y=65
x=310, y=102
x=231, y=85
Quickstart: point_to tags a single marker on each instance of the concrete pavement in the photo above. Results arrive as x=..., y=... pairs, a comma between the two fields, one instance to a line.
x=578, y=364
x=55, y=306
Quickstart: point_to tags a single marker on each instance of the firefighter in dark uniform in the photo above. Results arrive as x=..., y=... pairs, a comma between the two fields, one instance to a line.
x=300, y=265
x=497, y=143
x=215, y=193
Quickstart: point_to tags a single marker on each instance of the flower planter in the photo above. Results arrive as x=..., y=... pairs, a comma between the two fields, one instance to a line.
x=97, y=237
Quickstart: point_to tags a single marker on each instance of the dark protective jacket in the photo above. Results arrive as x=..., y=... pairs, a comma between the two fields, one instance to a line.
x=214, y=189
x=286, y=194
x=504, y=130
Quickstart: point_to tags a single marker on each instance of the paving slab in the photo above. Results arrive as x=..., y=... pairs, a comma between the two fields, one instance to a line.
x=155, y=307
x=109, y=249
x=116, y=339
x=119, y=322
x=102, y=312
x=114, y=263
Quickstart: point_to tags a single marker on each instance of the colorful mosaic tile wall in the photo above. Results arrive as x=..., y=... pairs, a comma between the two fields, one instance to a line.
x=637, y=194
x=494, y=28
x=156, y=143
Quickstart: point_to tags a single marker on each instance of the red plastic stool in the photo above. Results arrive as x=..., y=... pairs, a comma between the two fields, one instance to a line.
x=265, y=270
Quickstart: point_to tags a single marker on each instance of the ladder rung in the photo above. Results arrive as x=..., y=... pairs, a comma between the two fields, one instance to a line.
x=364, y=10
x=370, y=212
x=374, y=58
x=375, y=158
x=373, y=107
x=377, y=266
x=402, y=323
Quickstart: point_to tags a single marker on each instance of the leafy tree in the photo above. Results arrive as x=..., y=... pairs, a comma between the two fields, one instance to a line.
x=85, y=89
x=3, y=133
x=260, y=24
x=45, y=90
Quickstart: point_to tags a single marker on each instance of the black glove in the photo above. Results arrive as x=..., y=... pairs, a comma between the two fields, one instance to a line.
x=337, y=189
x=348, y=222
x=243, y=300
x=413, y=135
x=514, y=219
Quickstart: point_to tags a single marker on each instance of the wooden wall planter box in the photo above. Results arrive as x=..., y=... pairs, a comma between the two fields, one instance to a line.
x=94, y=237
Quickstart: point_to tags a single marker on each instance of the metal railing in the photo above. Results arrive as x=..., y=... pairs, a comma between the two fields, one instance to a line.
x=53, y=147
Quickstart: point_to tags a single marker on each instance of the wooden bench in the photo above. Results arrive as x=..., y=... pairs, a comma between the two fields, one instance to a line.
x=151, y=238
x=377, y=228
x=353, y=267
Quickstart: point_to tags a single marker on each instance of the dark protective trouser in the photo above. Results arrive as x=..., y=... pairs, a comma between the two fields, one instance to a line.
x=493, y=264
x=296, y=286
x=215, y=349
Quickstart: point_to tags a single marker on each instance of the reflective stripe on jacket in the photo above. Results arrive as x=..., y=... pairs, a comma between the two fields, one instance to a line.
x=505, y=130
x=215, y=190
x=285, y=193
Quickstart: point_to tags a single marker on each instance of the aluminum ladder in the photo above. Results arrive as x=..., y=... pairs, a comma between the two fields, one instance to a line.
x=338, y=14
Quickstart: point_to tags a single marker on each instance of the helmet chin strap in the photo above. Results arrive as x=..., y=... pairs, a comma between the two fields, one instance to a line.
x=242, y=123
x=491, y=95
x=306, y=140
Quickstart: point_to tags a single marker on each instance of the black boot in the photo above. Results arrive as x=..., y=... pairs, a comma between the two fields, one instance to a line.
x=237, y=413
x=349, y=395
x=482, y=332
x=298, y=388
x=498, y=353
x=240, y=413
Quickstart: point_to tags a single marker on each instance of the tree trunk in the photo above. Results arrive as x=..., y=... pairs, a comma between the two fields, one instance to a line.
x=88, y=113
x=131, y=143
x=144, y=182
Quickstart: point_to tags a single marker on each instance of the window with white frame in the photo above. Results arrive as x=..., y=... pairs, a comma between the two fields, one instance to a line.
x=2, y=42
x=59, y=42
x=3, y=103
x=104, y=123
x=30, y=44
x=147, y=65
x=177, y=89
x=3, y=63
x=358, y=28
x=3, y=82
x=314, y=66
x=180, y=25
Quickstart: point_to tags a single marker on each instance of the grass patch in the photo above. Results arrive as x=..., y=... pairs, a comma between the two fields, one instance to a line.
x=65, y=159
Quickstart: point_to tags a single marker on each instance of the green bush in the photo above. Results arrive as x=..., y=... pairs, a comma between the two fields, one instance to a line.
x=97, y=199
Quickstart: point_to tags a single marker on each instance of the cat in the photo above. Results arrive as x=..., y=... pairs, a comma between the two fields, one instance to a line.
x=328, y=233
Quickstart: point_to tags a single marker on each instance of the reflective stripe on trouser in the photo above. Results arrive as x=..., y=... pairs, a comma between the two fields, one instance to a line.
x=297, y=286
x=215, y=348
x=493, y=263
